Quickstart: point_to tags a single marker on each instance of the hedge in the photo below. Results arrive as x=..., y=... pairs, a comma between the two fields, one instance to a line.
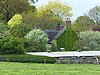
x=26, y=58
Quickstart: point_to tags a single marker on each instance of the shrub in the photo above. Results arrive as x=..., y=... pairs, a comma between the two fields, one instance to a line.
x=89, y=40
x=38, y=40
x=54, y=46
x=11, y=45
x=34, y=46
x=26, y=58
x=67, y=40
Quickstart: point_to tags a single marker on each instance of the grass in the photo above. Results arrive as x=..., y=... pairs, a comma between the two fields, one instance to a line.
x=48, y=69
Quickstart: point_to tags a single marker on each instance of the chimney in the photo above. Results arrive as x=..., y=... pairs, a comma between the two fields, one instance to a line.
x=68, y=22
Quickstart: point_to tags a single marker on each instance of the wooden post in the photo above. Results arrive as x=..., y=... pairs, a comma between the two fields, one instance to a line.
x=97, y=59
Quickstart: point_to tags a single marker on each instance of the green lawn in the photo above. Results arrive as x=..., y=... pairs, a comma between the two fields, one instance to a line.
x=47, y=69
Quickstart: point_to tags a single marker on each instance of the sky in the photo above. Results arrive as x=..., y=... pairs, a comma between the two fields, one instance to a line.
x=79, y=7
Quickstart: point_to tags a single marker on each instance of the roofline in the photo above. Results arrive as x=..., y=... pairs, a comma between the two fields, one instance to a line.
x=59, y=34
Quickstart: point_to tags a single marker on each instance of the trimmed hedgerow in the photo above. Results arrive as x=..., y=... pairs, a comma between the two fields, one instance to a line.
x=67, y=40
x=26, y=58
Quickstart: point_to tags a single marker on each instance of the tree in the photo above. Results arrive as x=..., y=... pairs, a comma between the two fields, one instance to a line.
x=42, y=19
x=11, y=7
x=94, y=14
x=46, y=19
x=62, y=10
x=83, y=23
x=15, y=20
x=29, y=18
x=17, y=27
x=89, y=40
x=52, y=14
x=20, y=30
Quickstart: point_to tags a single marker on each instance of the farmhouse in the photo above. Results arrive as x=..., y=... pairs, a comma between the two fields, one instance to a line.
x=63, y=36
x=55, y=34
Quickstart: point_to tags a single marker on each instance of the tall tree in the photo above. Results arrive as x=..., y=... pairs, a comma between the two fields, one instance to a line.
x=11, y=7
x=48, y=16
x=46, y=19
x=62, y=10
x=83, y=23
x=94, y=13
x=17, y=27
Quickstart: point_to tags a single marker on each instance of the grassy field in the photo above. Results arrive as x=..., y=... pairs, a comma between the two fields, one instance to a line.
x=48, y=69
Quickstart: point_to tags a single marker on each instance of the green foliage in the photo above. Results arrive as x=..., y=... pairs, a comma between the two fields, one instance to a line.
x=54, y=46
x=38, y=39
x=3, y=27
x=29, y=18
x=20, y=30
x=1, y=17
x=11, y=7
x=3, y=30
x=15, y=20
x=26, y=58
x=62, y=10
x=11, y=45
x=45, y=19
x=67, y=40
x=55, y=42
x=5, y=34
x=89, y=40
x=52, y=14
x=94, y=14
x=83, y=23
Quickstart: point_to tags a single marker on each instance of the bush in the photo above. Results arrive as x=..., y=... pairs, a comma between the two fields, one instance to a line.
x=89, y=40
x=54, y=46
x=11, y=45
x=34, y=46
x=37, y=40
x=27, y=58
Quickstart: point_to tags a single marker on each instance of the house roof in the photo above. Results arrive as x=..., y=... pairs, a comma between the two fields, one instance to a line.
x=60, y=32
x=54, y=34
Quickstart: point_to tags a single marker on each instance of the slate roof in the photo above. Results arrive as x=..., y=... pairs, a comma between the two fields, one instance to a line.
x=54, y=34
x=60, y=32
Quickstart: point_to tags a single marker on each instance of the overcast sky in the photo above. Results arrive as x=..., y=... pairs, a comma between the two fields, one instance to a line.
x=79, y=6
